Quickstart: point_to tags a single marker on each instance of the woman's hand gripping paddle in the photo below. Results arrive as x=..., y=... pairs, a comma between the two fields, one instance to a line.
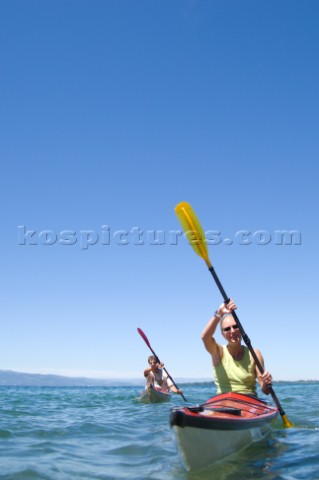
x=140, y=331
x=196, y=237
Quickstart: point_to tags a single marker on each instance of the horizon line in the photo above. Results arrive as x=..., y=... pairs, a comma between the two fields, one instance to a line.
x=134, y=379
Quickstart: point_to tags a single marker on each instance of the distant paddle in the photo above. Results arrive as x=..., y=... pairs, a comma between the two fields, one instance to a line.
x=196, y=237
x=140, y=331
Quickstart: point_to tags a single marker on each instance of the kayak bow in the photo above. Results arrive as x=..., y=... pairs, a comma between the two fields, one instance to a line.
x=221, y=426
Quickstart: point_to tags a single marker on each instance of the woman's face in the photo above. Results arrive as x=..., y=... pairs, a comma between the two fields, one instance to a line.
x=230, y=329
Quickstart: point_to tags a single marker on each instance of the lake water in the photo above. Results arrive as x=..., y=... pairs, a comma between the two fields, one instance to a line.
x=64, y=433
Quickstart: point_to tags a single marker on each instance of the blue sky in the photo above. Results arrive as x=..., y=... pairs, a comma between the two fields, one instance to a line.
x=114, y=111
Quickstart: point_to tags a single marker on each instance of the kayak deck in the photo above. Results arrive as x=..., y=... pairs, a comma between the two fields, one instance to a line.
x=226, y=411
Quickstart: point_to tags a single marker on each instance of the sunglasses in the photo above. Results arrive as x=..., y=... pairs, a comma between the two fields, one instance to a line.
x=234, y=327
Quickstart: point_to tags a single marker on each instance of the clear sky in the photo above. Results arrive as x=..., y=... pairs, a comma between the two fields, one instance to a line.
x=114, y=111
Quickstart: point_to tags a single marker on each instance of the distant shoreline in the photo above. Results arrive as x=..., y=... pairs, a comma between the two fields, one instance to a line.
x=12, y=378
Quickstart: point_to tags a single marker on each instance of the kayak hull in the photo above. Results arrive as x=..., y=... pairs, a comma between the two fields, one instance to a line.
x=224, y=425
x=153, y=394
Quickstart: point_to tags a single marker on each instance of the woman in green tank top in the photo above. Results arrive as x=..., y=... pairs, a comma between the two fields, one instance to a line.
x=234, y=367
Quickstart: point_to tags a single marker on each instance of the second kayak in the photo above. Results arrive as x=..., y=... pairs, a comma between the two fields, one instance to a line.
x=153, y=394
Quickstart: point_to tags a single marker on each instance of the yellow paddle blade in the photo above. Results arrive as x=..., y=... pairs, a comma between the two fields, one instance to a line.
x=287, y=423
x=193, y=230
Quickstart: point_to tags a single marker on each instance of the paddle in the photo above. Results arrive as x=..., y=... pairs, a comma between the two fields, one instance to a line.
x=196, y=237
x=140, y=331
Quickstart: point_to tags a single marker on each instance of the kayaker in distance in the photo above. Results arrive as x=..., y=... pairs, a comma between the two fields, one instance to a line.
x=156, y=376
x=233, y=364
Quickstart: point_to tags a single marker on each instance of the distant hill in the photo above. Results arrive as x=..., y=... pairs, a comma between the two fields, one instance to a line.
x=11, y=378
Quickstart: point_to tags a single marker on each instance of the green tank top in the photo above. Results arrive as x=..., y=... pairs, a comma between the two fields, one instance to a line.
x=236, y=375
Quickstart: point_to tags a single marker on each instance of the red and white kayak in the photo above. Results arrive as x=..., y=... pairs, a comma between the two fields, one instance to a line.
x=153, y=394
x=223, y=425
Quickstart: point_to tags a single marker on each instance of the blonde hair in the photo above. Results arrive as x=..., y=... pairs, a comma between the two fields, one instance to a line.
x=227, y=315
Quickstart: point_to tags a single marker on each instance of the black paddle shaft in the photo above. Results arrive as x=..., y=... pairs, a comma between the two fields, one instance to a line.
x=245, y=338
